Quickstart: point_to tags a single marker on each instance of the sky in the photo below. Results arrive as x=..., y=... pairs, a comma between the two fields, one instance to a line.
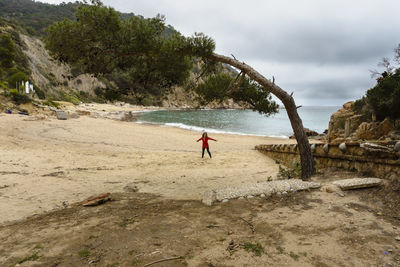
x=321, y=50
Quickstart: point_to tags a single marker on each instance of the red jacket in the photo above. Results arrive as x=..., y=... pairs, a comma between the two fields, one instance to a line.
x=205, y=142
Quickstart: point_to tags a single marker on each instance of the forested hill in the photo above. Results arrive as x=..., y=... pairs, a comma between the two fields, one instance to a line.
x=36, y=16
x=23, y=21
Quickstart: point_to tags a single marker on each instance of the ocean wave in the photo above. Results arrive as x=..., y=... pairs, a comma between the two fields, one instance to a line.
x=208, y=130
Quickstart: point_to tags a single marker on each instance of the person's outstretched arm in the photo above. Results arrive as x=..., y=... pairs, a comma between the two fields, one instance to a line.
x=199, y=139
x=212, y=139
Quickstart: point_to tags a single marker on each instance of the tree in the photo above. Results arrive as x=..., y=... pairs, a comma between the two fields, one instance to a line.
x=384, y=98
x=306, y=159
x=221, y=86
x=7, y=51
x=100, y=42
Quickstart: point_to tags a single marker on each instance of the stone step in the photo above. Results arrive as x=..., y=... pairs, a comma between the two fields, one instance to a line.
x=357, y=183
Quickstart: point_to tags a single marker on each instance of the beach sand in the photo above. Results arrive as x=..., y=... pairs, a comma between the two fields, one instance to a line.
x=47, y=164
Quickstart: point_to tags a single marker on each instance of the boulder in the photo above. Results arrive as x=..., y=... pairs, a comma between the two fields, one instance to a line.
x=343, y=147
x=374, y=130
x=132, y=187
x=61, y=114
x=338, y=120
x=308, y=133
x=397, y=147
x=357, y=183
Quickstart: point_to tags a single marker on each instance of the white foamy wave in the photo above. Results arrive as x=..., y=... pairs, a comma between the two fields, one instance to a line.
x=210, y=130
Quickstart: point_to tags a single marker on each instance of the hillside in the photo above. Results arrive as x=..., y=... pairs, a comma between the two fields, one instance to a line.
x=35, y=16
x=26, y=20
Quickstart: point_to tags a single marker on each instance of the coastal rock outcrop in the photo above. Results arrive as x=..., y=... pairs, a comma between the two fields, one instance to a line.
x=346, y=125
x=374, y=130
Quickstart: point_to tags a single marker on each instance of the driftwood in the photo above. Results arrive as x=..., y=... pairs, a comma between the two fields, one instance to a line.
x=96, y=200
x=169, y=259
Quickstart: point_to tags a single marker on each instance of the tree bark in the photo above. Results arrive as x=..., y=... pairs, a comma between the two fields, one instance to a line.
x=306, y=158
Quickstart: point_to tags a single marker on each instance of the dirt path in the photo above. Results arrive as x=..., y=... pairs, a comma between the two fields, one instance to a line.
x=303, y=229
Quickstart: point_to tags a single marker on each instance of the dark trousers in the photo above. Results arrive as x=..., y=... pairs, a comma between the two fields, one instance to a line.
x=202, y=154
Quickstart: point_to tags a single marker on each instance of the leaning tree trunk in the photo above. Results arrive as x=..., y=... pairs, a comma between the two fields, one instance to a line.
x=306, y=158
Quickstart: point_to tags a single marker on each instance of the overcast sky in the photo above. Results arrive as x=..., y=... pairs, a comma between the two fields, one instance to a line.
x=322, y=50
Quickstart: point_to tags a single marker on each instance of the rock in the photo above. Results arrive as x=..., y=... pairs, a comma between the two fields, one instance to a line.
x=374, y=130
x=357, y=183
x=330, y=189
x=225, y=200
x=340, y=194
x=313, y=147
x=96, y=200
x=337, y=121
x=132, y=187
x=262, y=195
x=343, y=147
x=374, y=147
x=310, y=132
x=83, y=112
x=208, y=198
x=284, y=193
x=61, y=114
x=326, y=148
x=397, y=147
x=397, y=238
x=251, y=190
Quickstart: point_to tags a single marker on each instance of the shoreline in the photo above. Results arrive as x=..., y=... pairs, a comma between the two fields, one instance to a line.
x=49, y=164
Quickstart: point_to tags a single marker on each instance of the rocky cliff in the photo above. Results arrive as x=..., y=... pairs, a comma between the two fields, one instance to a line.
x=347, y=125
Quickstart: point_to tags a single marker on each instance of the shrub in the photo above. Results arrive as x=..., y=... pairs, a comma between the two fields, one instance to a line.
x=289, y=173
x=384, y=98
x=19, y=98
x=40, y=93
x=51, y=103
x=17, y=77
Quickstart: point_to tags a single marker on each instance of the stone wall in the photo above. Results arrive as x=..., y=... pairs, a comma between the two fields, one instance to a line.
x=365, y=158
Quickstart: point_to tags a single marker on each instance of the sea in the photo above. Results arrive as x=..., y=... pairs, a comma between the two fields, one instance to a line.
x=242, y=122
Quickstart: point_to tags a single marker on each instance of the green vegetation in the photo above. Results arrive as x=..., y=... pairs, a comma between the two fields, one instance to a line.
x=84, y=253
x=51, y=103
x=19, y=98
x=256, y=249
x=221, y=86
x=133, y=51
x=144, y=58
x=289, y=173
x=280, y=249
x=383, y=100
x=17, y=77
x=35, y=16
x=32, y=257
x=294, y=256
x=13, y=63
x=7, y=51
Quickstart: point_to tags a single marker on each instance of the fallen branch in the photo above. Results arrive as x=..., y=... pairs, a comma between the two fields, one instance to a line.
x=169, y=259
x=253, y=229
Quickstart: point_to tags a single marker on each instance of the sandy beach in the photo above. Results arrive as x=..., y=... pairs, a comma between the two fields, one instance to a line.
x=48, y=164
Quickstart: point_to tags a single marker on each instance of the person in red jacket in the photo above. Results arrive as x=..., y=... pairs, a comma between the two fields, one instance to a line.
x=205, y=139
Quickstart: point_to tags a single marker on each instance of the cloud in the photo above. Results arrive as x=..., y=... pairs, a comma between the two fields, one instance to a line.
x=321, y=50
